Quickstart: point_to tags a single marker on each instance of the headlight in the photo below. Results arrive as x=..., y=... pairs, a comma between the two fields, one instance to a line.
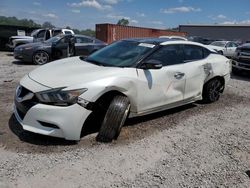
x=59, y=96
x=27, y=48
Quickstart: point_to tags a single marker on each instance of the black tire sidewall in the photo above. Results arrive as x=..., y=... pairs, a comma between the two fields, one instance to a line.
x=112, y=122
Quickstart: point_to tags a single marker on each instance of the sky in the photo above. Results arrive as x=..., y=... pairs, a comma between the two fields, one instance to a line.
x=162, y=14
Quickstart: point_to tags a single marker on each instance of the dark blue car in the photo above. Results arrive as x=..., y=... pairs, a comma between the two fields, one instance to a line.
x=57, y=47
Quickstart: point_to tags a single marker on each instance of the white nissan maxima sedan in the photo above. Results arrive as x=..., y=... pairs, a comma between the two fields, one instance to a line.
x=128, y=78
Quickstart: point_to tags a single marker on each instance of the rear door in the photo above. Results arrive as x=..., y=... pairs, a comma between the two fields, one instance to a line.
x=196, y=68
x=160, y=87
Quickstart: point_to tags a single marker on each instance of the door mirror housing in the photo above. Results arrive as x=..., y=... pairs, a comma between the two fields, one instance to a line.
x=152, y=64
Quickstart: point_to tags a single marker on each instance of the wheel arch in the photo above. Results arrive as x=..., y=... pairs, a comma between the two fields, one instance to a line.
x=94, y=120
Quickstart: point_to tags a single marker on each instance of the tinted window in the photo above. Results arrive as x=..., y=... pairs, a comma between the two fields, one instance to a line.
x=57, y=32
x=192, y=53
x=219, y=43
x=67, y=32
x=41, y=34
x=83, y=40
x=168, y=55
x=231, y=45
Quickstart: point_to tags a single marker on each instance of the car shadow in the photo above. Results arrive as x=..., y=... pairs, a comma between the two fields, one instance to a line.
x=91, y=126
x=33, y=138
x=10, y=54
x=22, y=63
x=149, y=117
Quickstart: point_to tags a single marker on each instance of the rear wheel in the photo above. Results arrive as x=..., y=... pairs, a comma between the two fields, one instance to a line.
x=212, y=90
x=41, y=58
x=114, y=119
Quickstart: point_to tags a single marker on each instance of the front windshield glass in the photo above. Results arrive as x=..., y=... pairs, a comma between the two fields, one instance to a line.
x=219, y=43
x=53, y=39
x=120, y=54
x=33, y=33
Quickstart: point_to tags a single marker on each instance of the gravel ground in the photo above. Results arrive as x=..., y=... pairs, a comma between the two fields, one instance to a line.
x=192, y=146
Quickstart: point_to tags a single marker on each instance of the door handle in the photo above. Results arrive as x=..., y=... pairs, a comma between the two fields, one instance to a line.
x=179, y=75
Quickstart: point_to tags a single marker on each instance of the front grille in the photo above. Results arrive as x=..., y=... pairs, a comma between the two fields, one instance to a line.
x=244, y=65
x=24, y=92
x=245, y=50
x=245, y=61
x=24, y=106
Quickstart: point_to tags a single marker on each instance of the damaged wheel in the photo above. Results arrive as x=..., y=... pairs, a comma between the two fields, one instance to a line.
x=114, y=119
x=212, y=90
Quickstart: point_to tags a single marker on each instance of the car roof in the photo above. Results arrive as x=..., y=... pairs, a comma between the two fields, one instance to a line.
x=166, y=41
x=156, y=41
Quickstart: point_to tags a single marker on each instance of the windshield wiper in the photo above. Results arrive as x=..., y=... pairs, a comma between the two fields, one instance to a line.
x=92, y=61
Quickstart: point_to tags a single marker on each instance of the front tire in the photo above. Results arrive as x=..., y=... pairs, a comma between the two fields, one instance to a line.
x=212, y=90
x=114, y=119
x=40, y=58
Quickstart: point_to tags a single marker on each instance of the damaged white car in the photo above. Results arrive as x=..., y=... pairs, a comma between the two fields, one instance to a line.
x=128, y=78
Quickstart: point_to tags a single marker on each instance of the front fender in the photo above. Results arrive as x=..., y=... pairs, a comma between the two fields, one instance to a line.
x=96, y=89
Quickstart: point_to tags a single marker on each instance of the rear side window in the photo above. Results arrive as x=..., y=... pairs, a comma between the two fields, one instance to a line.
x=67, y=32
x=83, y=40
x=194, y=53
x=168, y=55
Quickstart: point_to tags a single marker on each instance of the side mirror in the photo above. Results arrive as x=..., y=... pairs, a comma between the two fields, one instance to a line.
x=152, y=64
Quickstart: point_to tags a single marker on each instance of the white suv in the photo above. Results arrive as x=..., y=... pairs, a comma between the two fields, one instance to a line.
x=128, y=78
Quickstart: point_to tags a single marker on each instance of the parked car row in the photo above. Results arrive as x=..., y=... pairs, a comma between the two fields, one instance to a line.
x=37, y=35
x=57, y=47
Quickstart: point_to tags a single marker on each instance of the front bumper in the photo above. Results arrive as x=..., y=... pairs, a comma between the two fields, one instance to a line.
x=58, y=121
x=22, y=55
x=67, y=121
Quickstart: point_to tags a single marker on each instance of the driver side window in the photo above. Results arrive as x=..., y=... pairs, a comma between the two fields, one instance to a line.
x=168, y=55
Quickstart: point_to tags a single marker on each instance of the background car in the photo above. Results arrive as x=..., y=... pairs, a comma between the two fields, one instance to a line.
x=57, y=47
x=241, y=61
x=37, y=35
x=226, y=48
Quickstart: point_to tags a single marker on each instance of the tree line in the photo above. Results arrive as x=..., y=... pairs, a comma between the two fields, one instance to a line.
x=30, y=23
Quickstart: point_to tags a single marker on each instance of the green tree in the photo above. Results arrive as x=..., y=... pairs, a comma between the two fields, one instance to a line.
x=123, y=21
x=48, y=25
x=14, y=21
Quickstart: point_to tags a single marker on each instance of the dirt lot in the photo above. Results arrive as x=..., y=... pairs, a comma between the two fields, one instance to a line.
x=193, y=146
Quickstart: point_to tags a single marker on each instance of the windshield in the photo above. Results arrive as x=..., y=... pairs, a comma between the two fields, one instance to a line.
x=120, y=54
x=33, y=33
x=219, y=43
x=53, y=39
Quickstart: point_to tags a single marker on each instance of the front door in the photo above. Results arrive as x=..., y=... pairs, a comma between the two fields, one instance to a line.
x=158, y=88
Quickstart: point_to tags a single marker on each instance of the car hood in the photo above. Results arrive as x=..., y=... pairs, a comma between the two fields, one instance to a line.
x=34, y=45
x=71, y=71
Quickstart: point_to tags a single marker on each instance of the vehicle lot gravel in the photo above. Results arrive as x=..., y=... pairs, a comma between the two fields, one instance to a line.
x=192, y=146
